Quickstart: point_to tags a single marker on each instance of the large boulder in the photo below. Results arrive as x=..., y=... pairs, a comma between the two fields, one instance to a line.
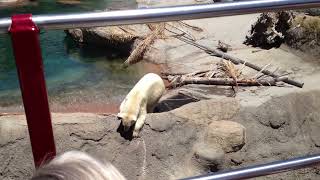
x=230, y=135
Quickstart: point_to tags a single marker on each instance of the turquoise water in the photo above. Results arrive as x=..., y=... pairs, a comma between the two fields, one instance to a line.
x=78, y=79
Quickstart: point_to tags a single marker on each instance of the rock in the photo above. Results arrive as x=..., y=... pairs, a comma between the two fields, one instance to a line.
x=230, y=135
x=277, y=119
x=237, y=160
x=13, y=3
x=207, y=111
x=119, y=37
x=160, y=122
x=269, y=31
x=313, y=120
x=209, y=156
x=304, y=34
x=111, y=35
x=76, y=34
x=313, y=11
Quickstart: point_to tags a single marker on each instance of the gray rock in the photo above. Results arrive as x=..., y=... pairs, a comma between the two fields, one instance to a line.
x=207, y=111
x=313, y=121
x=160, y=122
x=209, y=156
x=230, y=135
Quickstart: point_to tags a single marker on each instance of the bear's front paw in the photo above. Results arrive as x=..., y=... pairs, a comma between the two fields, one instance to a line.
x=135, y=134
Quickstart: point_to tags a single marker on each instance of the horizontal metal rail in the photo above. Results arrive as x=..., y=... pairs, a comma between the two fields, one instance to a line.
x=262, y=170
x=94, y=19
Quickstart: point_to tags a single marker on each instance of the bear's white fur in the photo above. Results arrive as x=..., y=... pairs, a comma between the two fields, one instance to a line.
x=140, y=100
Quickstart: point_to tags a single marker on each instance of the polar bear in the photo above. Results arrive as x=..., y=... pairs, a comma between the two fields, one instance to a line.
x=140, y=100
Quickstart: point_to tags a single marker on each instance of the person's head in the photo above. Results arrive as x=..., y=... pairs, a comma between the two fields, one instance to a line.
x=76, y=165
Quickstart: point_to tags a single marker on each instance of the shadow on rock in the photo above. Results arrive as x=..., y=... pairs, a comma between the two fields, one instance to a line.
x=173, y=102
x=125, y=134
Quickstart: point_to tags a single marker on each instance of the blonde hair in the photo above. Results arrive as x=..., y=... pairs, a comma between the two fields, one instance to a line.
x=76, y=165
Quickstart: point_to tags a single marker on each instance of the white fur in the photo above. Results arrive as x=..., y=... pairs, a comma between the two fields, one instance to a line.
x=140, y=100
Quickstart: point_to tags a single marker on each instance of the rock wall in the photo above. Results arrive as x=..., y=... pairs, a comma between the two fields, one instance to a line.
x=197, y=138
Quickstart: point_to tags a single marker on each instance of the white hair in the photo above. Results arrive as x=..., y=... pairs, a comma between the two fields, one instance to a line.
x=76, y=165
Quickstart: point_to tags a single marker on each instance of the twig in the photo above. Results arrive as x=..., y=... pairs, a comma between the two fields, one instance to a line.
x=197, y=72
x=264, y=68
x=195, y=28
x=182, y=32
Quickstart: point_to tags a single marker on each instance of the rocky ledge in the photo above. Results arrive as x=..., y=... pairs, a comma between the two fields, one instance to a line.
x=197, y=138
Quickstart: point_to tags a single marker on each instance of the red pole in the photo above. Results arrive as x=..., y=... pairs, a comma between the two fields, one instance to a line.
x=27, y=52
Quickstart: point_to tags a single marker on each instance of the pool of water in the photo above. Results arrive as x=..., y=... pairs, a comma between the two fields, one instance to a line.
x=78, y=79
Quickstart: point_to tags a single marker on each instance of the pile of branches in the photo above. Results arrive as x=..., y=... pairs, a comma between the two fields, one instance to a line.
x=222, y=73
x=226, y=73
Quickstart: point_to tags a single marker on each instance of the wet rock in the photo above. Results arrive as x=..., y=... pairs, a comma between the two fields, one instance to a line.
x=76, y=34
x=112, y=35
x=209, y=156
x=230, y=135
x=14, y=3
x=122, y=38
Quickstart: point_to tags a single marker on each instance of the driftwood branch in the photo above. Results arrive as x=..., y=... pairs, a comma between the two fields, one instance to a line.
x=225, y=81
x=235, y=60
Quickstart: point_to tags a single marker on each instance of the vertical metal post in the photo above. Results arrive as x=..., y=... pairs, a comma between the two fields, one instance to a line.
x=27, y=52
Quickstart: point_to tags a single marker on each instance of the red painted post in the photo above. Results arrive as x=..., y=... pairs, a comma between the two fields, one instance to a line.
x=27, y=52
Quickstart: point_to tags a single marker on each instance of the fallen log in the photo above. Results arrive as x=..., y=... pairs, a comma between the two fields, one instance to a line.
x=225, y=81
x=235, y=60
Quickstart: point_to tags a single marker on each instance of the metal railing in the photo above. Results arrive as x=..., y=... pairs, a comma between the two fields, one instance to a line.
x=262, y=170
x=24, y=32
x=66, y=21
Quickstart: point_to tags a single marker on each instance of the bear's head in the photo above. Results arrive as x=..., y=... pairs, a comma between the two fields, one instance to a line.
x=127, y=120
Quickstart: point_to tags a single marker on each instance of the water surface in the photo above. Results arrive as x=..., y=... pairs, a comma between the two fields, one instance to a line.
x=78, y=79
